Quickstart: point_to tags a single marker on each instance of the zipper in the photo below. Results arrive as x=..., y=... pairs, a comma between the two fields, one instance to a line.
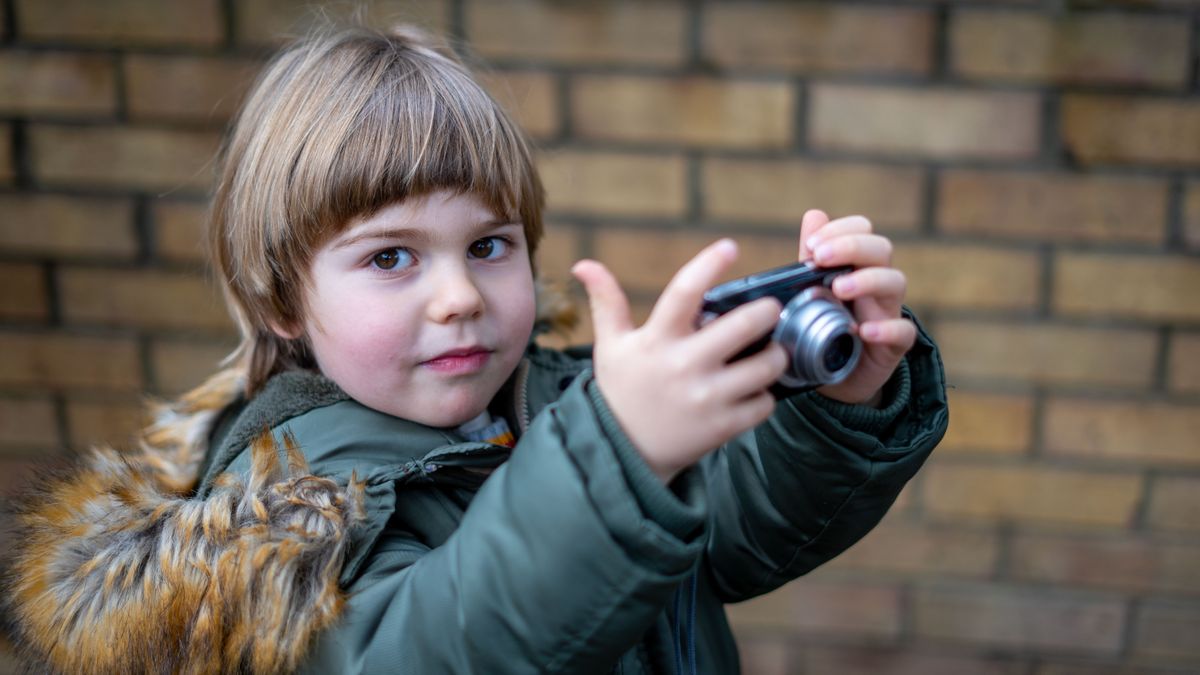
x=522, y=396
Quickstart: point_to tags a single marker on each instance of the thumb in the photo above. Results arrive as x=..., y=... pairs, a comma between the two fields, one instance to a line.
x=610, y=308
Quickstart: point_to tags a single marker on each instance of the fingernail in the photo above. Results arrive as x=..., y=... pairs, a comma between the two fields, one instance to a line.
x=844, y=285
x=869, y=331
x=823, y=253
x=813, y=243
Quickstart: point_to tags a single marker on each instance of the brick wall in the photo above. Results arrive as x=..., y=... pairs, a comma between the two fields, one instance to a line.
x=1037, y=164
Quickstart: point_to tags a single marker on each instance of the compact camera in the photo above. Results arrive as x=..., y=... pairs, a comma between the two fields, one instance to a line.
x=815, y=328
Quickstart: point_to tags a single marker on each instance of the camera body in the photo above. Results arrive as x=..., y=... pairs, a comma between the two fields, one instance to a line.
x=816, y=329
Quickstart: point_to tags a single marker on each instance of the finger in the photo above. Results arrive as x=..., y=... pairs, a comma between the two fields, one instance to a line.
x=677, y=307
x=610, y=308
x=838, y=228
x=730, y=333
x=749, y=413
x=859, y=250
x=884, y=283
x=813, y=220
x=898, y=335
x=752, y=374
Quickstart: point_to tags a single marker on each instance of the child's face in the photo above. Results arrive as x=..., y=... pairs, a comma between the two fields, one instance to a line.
x=423, y=310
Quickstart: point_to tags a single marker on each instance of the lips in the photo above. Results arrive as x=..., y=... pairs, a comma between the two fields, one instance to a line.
x=463, y=361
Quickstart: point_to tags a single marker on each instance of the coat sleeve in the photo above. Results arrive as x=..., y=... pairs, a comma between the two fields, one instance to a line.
x=817, y=476
x=555, y=567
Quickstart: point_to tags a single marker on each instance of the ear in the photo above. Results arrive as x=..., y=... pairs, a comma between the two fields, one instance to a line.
x=287, y=331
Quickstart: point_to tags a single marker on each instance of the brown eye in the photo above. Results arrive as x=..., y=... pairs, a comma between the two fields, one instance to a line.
x=391, y=259
x=488, y=247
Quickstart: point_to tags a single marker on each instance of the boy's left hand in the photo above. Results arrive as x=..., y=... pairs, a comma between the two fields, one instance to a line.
x=877, y=291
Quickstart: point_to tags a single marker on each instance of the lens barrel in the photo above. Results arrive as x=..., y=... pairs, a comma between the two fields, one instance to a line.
x=818, y=333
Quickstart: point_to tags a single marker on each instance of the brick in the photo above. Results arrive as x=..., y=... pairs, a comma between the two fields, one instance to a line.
x=869, y=611
x=1020, y=618
x=931, y=123
x=121, y=22
x=113, y=423
x=57, y=83
x=896, y=547
x=68, y=361
x=1052, y=667
x=1034, y=494
x=1174, y=504
x=1183, y=365
x=764, y=656
x=1127, y=563
x=652, y=33
x=1149, y=287
x=836, y=38
x=965, y=277
x=615, y=184
x=143, y=298
x=149, y=159
x=902, y=660
x=67, y=227
x=988, y=423
x=530, y=97
x=28, y=423
x=1191, y=216
x=270, y=21
x=780, y=191
x=179, y=365
x=1143, y=433
x=186, y=88
x=179, y=230
x=16, y=478
x=1131, y=130
x=1076, y=48
x=688, y=110
x=1167, y=631
x=23, y=294
x=1053, y=206
x=560, y=248
x=1048, y=354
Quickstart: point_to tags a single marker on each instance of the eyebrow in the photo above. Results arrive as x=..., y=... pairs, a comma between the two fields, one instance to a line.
x=414, y=234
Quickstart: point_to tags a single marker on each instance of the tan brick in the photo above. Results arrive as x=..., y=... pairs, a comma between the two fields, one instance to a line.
x=896, y=547
x=1131, y=130
x=1020, y=618
x=55, y=360
x=689, y=110
x=143, y=298
x=1140, y=432
x=1183, y=365
x=866, y=610
x=28, y=423
x=179, y=365
x=123, y=22
x=1161, y=288
x=616, y=33
x=764, y=655
x=151, y=159
x=933, y=123
x=67, y=227
x=1174, y=504
x=57, y=83
x=530, y=97
x=23, y=293
x=186, y=88
x=901, y=660
x=268, y=21
x=1167, y=631
x=113, y=423
x=1048, y=354
x=1093, y=48
x=966, y=277
x=559, y=249
x=1127, y=563
x=179, y=230
x=780, y=191
x=1191, y=215
x=819, y=38
x=1053, y=206
x=1027, y=493
x=608, y=183
x=988, y=423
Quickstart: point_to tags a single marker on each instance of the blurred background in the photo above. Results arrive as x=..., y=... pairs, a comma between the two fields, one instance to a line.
x=1037, y=164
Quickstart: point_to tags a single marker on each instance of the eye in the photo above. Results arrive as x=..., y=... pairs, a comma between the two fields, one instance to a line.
x=391, y=258
x=488, y=248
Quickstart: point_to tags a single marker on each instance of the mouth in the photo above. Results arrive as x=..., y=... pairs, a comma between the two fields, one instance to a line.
x=462, y=361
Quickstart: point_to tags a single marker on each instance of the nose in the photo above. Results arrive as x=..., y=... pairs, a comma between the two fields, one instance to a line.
x=455, y=297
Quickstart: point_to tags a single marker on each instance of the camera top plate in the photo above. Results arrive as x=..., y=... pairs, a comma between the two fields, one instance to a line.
x=782, y=283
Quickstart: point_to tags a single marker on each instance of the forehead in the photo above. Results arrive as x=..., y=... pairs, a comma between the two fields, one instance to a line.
x=438, y=214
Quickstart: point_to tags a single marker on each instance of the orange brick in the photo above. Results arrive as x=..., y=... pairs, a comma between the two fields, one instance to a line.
x=1183, y=366
x=1131, y=130
x=988, y=423
x=819, y=38
x=530, y=97
x=859, y=609
x=1048, y=354
x=67, y=227
x=933, y=123
x=969, y=277
x=186, y=88
x=123, y=22
x=28, y=423
x=55, y=360
x=1174, y=504
x=689, y=110
x=268, y=21
x=179, y=365
x=896, y=547
x=617, y=33
x=1020, y=618
x=1191, y=215
x=179, y=230
x=23, y=293
x=1053, y=206
x=1161, y=288
x=904, y=659
x=1144, y=433
x=113, y=423
x=123, y=157
x=143, y=298
x=50, y=83
x=1027, y=493
x=622, y=184
x=1070, y=48
x=780, y=191
x=1127, y=563
x=1167, y=631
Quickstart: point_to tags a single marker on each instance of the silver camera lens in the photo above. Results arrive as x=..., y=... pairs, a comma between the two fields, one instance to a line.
x=818, y=333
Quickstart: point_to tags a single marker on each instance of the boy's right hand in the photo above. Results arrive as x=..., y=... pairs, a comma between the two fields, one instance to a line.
x=669, y=382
